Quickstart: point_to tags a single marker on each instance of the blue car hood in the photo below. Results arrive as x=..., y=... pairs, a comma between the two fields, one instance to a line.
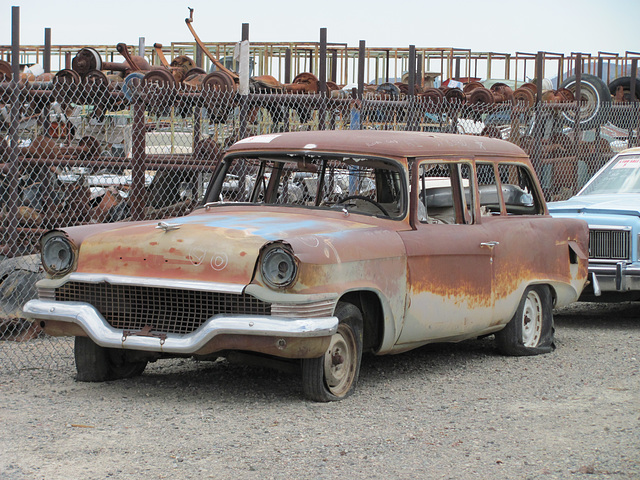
x=618, y=204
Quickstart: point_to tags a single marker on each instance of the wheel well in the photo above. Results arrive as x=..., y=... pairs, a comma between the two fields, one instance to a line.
x=372, y=317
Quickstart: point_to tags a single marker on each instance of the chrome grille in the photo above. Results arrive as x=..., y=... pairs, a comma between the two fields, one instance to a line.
x=609, y=244
x=165, y=310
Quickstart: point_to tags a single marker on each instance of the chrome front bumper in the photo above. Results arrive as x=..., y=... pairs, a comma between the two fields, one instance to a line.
x=283, y=331
x=619, y=277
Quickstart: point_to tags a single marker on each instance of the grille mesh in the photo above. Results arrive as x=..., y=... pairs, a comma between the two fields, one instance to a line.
x=609, y=244
x=165, y=310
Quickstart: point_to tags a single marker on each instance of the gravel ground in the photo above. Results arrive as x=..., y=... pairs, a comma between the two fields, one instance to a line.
x=443, y=411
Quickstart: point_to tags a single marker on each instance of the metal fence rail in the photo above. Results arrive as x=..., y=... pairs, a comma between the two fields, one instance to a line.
x=91, y=150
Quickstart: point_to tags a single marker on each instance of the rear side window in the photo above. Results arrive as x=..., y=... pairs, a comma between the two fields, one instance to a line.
x=518, y=190
x=515, y=182
x=445, y=193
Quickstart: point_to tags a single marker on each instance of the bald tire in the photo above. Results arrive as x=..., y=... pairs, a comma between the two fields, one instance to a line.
x=530, y=331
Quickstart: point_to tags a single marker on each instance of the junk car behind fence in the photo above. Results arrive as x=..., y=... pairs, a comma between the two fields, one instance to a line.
x=316, y=246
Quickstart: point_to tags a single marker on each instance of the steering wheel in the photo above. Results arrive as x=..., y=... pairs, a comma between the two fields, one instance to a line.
x=362, y=197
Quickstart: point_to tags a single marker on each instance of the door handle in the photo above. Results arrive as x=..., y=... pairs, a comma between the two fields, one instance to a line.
x=491, y=244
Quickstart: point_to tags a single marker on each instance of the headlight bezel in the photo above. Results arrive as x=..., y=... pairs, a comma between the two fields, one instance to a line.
x=278, y=266
x=57, y=253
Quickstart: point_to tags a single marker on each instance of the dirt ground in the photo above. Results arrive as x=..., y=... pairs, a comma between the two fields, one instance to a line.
x=442, y=411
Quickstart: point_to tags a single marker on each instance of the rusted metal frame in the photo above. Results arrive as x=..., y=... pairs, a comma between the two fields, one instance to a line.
x=457, y=191
x=320, y=189
x=206, y=51
x=13, y=187
x=414, y=169
x=160, y=54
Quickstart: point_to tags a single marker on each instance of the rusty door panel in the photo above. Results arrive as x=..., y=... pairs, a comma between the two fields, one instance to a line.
x=526, y=256
x=450, y=277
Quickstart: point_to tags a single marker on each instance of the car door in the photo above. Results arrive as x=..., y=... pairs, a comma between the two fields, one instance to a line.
x=449, y=257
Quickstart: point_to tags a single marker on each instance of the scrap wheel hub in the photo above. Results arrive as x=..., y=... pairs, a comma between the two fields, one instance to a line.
x=340, y=361
x=532, y=320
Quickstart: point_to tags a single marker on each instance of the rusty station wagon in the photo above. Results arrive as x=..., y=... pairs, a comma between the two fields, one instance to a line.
x=315, y=247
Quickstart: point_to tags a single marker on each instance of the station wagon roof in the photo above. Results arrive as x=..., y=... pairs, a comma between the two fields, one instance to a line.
x=383, y=143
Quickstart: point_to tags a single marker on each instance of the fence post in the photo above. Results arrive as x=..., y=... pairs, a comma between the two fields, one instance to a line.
x=539, y=75
x=287, y=65
x=138, y=161
x=411, y=120
x=361, y=61
x=244, y=79
x=141, y=46
x=322, y=79
x=14, y=167
x=46, y=61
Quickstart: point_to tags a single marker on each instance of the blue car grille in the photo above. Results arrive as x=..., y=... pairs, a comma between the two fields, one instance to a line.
x=609, y=244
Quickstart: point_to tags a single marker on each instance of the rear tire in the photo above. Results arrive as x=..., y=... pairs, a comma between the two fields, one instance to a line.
x=530, y=331
x=334, y=376
x=99, y=364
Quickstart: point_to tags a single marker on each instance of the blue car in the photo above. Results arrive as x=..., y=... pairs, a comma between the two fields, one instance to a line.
x=610, y=204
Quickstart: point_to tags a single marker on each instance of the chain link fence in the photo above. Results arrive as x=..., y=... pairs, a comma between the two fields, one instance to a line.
x=93, y=150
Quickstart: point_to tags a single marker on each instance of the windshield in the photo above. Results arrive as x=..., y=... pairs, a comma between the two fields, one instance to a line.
x=368, y=186
x=620, y=176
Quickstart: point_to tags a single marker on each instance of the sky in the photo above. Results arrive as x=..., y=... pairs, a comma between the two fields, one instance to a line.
x=586, y=26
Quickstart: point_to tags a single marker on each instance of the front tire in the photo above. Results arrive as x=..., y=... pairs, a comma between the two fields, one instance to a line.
x=530, y=331
x=99, y=364
x=334, y=375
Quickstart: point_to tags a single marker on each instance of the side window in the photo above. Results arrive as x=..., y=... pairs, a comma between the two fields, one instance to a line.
x=488, y=189
x=445, y=195
x=518, y=190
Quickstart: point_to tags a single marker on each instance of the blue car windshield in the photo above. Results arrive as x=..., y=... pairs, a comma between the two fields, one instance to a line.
x=621, y=176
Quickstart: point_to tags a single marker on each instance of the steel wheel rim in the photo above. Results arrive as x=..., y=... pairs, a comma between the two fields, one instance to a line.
x=340, y=361
x=532, y=317
x=588, y=103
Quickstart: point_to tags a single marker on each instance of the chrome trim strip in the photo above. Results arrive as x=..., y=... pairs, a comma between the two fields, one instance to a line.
x=611, y=270
x=610, y=227
x=87, y=317
x=156, y=282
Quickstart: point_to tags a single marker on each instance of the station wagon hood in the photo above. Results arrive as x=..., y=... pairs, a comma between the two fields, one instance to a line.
x=221, y=246
x=619, y=204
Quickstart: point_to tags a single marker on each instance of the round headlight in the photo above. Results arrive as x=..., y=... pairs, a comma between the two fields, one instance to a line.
x=279, y=267
x=57, y=254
